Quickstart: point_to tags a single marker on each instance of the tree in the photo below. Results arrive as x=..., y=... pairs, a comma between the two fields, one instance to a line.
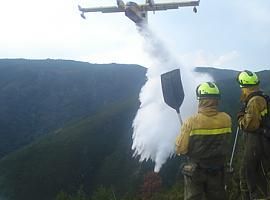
x=103, y=193
x=152, y=184
x=62, y=196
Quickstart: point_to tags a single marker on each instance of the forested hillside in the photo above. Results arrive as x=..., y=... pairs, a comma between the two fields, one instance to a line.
x=95, y=151
x=39, y=96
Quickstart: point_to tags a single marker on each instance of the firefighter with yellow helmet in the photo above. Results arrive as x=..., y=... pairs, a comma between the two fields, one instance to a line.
x=253, y=182
x=204, y=139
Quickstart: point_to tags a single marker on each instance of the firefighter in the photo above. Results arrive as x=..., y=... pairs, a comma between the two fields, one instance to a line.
x=204, y=139
x=253, y=182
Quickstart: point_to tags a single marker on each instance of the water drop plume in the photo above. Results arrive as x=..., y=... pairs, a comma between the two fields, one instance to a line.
x=156, y=125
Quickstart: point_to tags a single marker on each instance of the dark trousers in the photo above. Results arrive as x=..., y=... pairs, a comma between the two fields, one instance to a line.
x=205, y=184
x=253, y=183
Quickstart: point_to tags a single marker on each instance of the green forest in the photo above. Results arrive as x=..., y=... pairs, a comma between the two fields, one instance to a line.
x=66, y=132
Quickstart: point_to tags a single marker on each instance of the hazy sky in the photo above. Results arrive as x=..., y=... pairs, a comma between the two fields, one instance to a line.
x=228, y=34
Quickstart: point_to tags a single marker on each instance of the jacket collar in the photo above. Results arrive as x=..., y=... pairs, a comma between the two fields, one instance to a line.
x=208, y=107
x=245, y=92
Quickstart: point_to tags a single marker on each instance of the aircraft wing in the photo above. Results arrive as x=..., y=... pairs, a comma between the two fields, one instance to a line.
x=167, y=6
x=112, y=9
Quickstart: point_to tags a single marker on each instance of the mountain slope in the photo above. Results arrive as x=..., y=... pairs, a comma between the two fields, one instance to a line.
x=74, y=156
x=38, y=96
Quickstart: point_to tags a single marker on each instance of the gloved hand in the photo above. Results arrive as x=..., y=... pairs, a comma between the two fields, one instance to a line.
x=242, y=108
x=240, y=114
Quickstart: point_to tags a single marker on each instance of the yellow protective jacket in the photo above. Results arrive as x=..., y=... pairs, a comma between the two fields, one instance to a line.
x=205, y=136
x=255, y=109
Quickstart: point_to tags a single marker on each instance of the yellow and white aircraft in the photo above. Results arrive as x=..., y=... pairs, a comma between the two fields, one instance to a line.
x=138, y=12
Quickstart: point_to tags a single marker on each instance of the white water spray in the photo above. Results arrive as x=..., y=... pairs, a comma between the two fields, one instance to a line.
x=156, y=125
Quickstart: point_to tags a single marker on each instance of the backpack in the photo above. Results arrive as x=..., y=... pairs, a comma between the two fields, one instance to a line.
x=265, y=124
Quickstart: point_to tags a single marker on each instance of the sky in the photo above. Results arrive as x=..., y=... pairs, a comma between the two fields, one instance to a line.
x=231, y=34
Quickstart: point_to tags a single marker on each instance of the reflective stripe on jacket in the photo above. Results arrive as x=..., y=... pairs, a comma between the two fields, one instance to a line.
x=205, y=135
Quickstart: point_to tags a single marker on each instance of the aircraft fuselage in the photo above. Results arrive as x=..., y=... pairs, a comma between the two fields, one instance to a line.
x=133, y=12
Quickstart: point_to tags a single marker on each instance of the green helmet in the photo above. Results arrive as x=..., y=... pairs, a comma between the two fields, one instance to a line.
x=247, y=79
x=207, y=90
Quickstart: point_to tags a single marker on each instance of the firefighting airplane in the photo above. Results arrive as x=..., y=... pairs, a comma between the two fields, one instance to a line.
x=138, y=12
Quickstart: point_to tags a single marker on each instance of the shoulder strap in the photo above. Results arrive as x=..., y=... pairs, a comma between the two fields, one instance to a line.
x=267, y=99
x=253, y=94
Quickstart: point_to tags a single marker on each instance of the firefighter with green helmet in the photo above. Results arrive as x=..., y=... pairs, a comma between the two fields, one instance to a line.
x=204, y=139
x=253, y=179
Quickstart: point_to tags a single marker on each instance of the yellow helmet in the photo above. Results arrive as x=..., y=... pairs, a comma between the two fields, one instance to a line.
x=207, y=90
x=247, y=79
